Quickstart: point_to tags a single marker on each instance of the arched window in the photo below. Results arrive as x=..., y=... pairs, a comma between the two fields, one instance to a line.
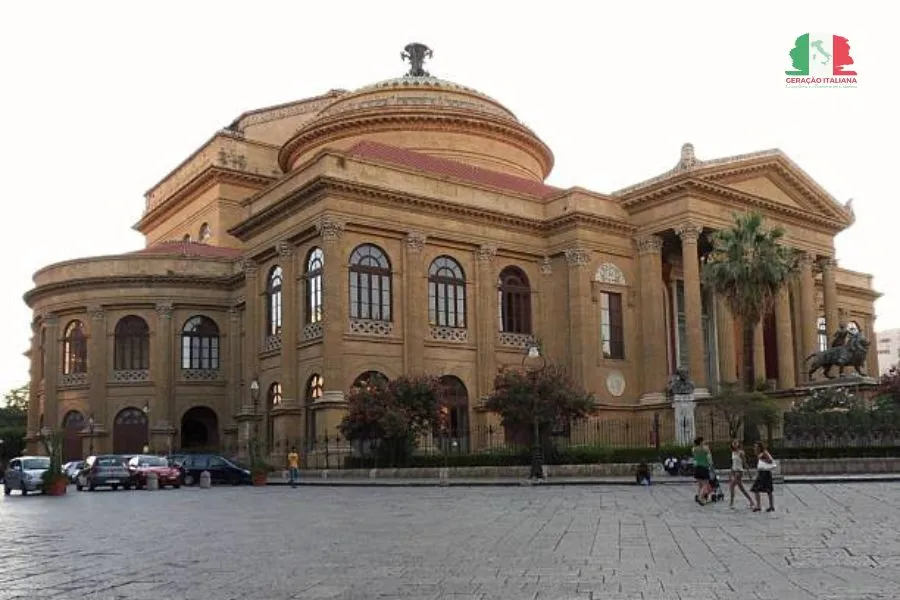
x=205, y=232
x=515, y=301
x=186, y=238
x=273, y=294
x=274, y=401
x=446, y=293
x=822, y=334
x=315, y=387
x=370, y=378
x=132, y=344
x=74, y=348
x=314, y=264
x=454, y=406
x=200, y=344
x=370, y=284
x=275, y=396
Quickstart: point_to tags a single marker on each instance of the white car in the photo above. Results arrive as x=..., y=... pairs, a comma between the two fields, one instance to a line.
x=25, y=474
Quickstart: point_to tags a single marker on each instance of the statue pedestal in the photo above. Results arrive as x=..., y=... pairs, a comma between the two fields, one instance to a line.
x=685, y=429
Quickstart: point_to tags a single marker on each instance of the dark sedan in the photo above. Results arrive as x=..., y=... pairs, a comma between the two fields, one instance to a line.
x=105, y=470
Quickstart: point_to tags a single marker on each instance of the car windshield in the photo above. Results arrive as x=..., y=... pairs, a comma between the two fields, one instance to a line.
x=108, y=461
x=152, y=461
x=35, y=463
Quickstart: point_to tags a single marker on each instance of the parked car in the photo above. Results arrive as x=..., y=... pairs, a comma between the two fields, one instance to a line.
x=104, y=470
x=71, y=469
x=25, y=474
x=144, y=464
x=221, y=469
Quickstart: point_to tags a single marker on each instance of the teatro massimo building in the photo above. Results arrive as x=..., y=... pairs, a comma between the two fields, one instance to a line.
x=405, y=227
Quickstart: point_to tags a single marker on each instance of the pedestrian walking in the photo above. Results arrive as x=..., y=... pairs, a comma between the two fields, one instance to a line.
x=293, y=459
x=736, y=480
x=702, y=461
x=763, y=483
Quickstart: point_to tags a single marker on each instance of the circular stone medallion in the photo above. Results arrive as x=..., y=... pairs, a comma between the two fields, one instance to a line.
x=615, y=383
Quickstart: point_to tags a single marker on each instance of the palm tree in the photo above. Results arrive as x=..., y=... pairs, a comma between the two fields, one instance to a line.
x=748, y=267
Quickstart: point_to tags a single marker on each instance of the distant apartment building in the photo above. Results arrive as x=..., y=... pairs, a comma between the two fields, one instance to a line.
x=888, y=349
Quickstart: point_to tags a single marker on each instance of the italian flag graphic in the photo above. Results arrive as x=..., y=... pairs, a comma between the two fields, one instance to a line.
x=821, y=55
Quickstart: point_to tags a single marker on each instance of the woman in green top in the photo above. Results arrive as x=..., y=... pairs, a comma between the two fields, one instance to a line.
x=702, y=460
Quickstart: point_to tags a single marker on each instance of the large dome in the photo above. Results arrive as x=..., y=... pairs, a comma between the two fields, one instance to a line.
x=424, y=114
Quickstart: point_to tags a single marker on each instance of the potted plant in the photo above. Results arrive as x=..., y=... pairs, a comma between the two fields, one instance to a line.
x=55, y=482
x=259, y=470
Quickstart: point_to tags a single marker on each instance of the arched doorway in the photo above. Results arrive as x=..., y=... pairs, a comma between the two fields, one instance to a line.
x=200, y=429
x=73, y=424
x=456, y=401
x=130, y=431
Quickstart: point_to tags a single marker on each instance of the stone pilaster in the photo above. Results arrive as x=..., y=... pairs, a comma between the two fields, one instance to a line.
x=51, y=372
x=98, y=366
x=727, y=354
x=787, y=375
x=759, y=352
x=252, y=329
x=233, y=390
x=290, y=325
x=486, y=318
x=830, y=294
x=578, y=259
x=163, y=371
x=693, y=311
x=34, y=387
x=653, y=326
x=797, y=321
x=808, y=336
x=415, y=307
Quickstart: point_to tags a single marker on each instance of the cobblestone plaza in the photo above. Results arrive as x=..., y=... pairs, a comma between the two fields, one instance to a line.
x=557, y=543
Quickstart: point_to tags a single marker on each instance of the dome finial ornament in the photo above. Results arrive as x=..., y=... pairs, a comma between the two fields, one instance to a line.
x=416, y=54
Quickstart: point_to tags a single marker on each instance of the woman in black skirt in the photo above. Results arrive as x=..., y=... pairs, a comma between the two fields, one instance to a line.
x=763, y=482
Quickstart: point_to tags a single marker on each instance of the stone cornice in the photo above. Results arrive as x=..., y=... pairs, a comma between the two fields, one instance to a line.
x=323, y=130
x=665, y=190
x=132, y=281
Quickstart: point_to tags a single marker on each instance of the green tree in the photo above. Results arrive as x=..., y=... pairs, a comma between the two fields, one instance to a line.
x=17, y=398
x=13, y=417
x=547, y=394
x=743, y=409
x=748, y=267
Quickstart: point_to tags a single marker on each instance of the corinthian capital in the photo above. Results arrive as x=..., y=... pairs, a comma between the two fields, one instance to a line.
x=827, y=264
x=806, y=260
x=96, y=312
x=689, y=232
x=249, y=267
x=50, y=319
x=649, y=244
x=578, y=257
x=284, y=249
x=330, y=228
x=486, y=253
x=415, y=241
x=164, y=310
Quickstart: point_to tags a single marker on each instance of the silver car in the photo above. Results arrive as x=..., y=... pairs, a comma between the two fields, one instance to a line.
x=25, y=474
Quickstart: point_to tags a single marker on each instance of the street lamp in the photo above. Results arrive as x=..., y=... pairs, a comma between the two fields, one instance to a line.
x=91, y=434
x=147, y=415
x=254, y=397
x=533, y=351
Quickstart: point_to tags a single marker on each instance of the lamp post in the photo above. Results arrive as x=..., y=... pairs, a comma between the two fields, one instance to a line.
x=147, y=436
x=91, y=435
x=533, y=351
x=254, y=397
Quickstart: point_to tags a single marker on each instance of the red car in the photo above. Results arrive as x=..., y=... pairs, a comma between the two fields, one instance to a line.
x=143, y=464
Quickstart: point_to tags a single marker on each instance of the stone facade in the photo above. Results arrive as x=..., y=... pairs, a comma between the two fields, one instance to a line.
x=406, y=228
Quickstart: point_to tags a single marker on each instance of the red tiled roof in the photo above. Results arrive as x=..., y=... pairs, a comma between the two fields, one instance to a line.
x=192, y=249
x=452, y=168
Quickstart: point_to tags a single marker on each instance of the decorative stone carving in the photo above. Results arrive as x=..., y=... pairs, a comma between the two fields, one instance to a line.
x=416, y=54
x=578, y=257
x=486, y=253
x=164, y=310
x=827, y=264
x=615, y=383
x=415, y=241
x=688, y=159
x=649, y=244
x=200, y=374
x=50, y=319
x=273, y=342
x=234, y=315
x=680, y=383
x=249, y=267
x=805, y=260
x=96, y=313
x=73, y=379
x=449, y=334
x=689, y=232
x=370, y=327
x=546, y=266
x=312, y=331
x=284, y=249
x=131, y=376
x=515, y=340
x=609, y=273
x=330, y=229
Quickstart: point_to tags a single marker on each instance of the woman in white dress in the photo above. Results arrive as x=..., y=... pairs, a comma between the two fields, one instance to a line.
x=736, y=479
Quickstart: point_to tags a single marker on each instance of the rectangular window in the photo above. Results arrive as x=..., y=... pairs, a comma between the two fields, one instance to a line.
x=612, y=331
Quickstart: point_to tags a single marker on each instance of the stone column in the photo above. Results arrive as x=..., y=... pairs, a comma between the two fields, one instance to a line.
x=51, y=372
x=98, y=369
x=415, y=309
x=34, y=387
x=332, y=406
x=685, y=427
x=290, y=326
x=759, y=352
x=787, y=375
x=829, y=285
x=797, y=321
x=653, y=326
x=252, y=307
x=578, y=260
x=162, y=372
x=807, y=307
x=727, y=354
x=693, y=307
x=486, y=318
x=871, y=364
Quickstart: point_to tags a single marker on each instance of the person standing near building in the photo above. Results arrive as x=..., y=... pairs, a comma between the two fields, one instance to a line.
x=702, y=461
x=294, y=465
x=738, y=464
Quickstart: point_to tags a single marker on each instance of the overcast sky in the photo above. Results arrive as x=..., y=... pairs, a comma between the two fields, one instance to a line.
x=101, y=99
